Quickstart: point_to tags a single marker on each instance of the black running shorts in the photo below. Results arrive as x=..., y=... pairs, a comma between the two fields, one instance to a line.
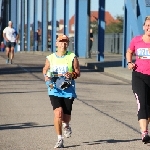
x=10, y=44
x=65, y=103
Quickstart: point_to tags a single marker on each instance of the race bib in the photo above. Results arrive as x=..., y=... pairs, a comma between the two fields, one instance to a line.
x=143, y=53
x=60, y=69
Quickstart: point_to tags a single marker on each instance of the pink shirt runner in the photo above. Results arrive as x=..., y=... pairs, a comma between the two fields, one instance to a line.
x=142, y=51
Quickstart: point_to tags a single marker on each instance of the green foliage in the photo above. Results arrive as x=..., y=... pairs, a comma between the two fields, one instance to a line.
x=94, y=26
x=114, y=27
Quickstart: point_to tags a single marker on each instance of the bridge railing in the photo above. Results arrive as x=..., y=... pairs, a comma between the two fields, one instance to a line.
x=135, y=13
x=1, y=21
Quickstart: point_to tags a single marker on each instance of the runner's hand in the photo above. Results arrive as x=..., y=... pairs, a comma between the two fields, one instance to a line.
x=47, y=78
x=7, y=40
x=131, y=66
x=68, y=75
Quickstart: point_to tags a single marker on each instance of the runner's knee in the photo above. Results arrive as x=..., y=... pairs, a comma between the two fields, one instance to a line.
x=12, y=50
x=58, y=113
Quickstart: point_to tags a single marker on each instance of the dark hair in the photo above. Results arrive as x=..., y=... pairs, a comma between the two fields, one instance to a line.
x=146, y=18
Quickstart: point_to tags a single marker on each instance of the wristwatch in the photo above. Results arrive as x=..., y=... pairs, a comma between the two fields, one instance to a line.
x=129, y=63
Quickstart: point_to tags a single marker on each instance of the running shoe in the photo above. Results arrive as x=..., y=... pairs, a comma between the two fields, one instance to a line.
x=145, y=137
x=67, y=131
x=59, y=144
x=7, y=61
x=11, y=61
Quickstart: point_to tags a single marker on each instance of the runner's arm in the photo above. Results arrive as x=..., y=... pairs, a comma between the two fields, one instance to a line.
x=17, y=37
x=45, y=69
x=129, y=55
x=4, y=36
x=76, y=66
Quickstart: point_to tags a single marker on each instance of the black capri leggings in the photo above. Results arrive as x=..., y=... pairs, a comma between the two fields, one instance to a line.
x=65, y=103
x=141, y=90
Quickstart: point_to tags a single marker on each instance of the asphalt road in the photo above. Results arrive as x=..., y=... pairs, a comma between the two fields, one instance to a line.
x=103, y=117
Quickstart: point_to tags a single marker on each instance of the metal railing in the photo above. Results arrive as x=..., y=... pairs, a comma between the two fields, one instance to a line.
x=113, y=43
x=1, y=21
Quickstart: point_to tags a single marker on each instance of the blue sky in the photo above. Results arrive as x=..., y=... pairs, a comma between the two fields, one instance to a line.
x=108, y=6
x=115, y=10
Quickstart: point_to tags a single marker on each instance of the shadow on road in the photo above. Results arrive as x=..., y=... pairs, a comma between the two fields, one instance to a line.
x=22, y=126
x=109, y=141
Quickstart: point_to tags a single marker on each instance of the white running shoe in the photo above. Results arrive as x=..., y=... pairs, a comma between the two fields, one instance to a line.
x=59, y=144
x=67, y=131
x=7, y=61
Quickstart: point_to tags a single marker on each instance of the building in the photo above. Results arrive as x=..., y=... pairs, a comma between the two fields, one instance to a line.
x=94, y=17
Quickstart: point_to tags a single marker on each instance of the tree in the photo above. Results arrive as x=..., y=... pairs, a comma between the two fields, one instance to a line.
x=94, y=26
x=114, y=27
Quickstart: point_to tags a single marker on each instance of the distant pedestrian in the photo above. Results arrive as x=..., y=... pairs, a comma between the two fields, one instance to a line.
x=60, y=71
x=91, y=42
x=49, y=43
x=11, y=37
x=140, y=46
x=2, y=47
